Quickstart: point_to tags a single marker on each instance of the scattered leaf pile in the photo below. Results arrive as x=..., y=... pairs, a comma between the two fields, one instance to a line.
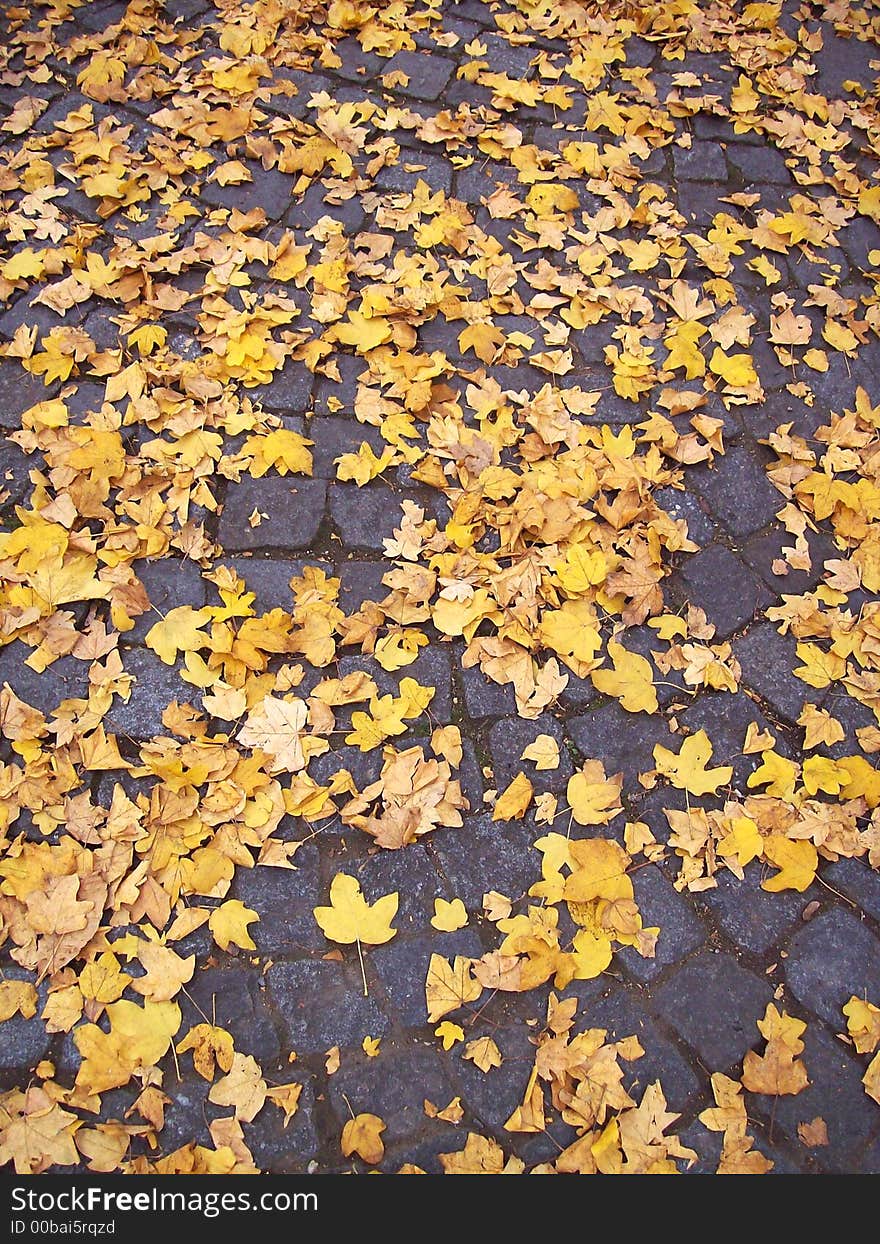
x=205, y=216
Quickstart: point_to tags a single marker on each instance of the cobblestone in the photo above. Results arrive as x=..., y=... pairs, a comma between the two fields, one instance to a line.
x=829, y=960
x=723, y=952
x=732, y=999
x=294, y=510
x=321, y=1004
x=717, y=581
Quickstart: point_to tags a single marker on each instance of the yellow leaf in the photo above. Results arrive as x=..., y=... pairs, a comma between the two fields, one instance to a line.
x=449, y=1033
x=179, y=631
x=688, y=769
x=736, y=370
x=631, y=681
x=593, y=797
x=449, y=985
x=483, y=1053
x=362, y=333
x=777, y=1071
x=282, y=449
x=138, y=1037
x=398, y=649
x=243, y=1088
x=229, y=925
x=370, y=1046
x=350, y=918
x=363, y=466
x=544, y=750
x=19, y=998
x=512, y=804
x=863, y=1024
x=211, y=1047
x=362, y=1135
x=776, y=773
x=743, y=841
x=286, y=1097
x=484, y=338
x=449, y=916
x=797, y=863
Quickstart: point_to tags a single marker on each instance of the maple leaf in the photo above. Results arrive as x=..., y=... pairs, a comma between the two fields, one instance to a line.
x=797, y=863
x=594, y=799
x=544, y=751
x=631, y=680
x=450, y=1034
x=350, y=918
x=179, y=631
x=243, y=1088
x=449, y=916
x=362, y=1135
x=229, y=925
x=286, y=1097
x=687, y=770
x=282, y=449
x=511, y=805
x=138, y=1037
x=35, y=1132
x=777, y=1071
x=863, y=1024
x=483, y=1053
x=480, y=1156
x=449, y=985
x=211, y=1047
x=276, y=727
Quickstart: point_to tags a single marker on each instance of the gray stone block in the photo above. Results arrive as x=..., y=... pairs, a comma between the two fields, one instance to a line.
x=234, y=998
x=726, y=717
x=288, y=392
x=767, y=659
x=169, y=582
x=23, y=1042
x=394, y=1086
x=360, y=581
x=322, y=1004
x=269, y=578
x=829, y=960
x=738, y=491
x=19, y=390
x=623, y=1014
x=703, y=161
x=623, y=741
x=365, y=517
x=157, y=684
x=835, y=1093
x=295, y=509
x=858, y=880
x=681, y=931
x=431, y=668
x=428, y=73
x=280, y=1150
x=270, y=190
x=411, y=873
x=488, y=855
x=713, y=1003
x=333, y=437
x=284, y=899
x=402, y=966
x=753, y=919
x=510, y=736
x=484, y=698
x=718, y=582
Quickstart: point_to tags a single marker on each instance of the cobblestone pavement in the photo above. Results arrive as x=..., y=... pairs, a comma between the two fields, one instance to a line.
x=723, y=952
